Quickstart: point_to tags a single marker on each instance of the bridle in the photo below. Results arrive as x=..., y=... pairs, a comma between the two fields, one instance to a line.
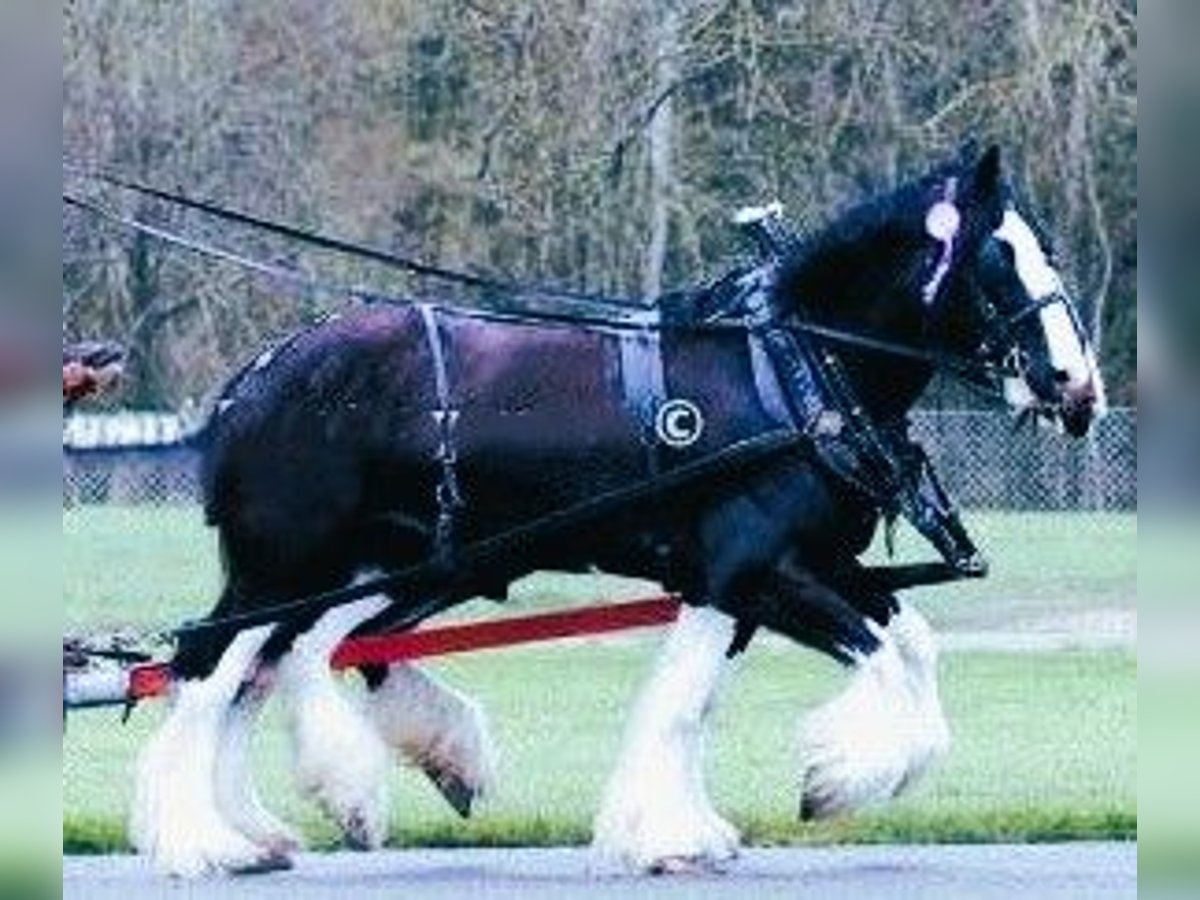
x=999, y=332
x=1000, y=342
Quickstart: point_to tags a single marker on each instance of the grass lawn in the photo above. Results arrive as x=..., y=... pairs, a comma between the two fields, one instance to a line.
x=159, y=566
x=1045, y=744
x=1045, y=748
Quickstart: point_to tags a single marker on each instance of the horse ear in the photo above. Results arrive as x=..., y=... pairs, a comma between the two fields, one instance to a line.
x=989, y=170
x=987, y=183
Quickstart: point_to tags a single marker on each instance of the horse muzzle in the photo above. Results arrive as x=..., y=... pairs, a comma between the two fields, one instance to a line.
x=1078, y=409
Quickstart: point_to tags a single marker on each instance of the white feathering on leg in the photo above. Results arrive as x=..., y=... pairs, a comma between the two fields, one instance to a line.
x=655, y=814
x=436, y=728
x=917, y=644
x=340, y=760
x=882, y=731
x=175, y=818
x=237, y=798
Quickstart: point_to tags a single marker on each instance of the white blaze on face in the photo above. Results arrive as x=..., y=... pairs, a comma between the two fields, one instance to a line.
x=1068, y=353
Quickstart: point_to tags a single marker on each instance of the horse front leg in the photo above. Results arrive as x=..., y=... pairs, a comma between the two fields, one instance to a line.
x=883, y=731
x=885, y=728
x=655, y=815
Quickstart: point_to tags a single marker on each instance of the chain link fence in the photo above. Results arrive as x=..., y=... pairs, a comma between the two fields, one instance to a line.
x=984, y=462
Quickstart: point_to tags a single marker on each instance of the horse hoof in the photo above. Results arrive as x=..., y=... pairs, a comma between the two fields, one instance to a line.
x=810, y=809
x=357, y=834
x=812, y=805
x=455, y=790
x=274, y=860
x=684, y=865
x=819, y=801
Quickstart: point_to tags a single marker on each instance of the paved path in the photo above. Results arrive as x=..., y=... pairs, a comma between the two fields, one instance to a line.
x=1010, y=872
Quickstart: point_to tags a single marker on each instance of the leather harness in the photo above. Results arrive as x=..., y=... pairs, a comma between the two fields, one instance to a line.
x=804, y=390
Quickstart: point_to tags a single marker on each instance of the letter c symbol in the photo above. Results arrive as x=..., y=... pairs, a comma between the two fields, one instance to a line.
x=679, y=423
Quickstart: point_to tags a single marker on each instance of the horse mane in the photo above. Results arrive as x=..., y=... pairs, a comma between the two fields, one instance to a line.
x=853, y=273
x=862, y=223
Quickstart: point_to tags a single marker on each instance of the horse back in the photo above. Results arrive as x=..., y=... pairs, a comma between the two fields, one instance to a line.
x=349, y=422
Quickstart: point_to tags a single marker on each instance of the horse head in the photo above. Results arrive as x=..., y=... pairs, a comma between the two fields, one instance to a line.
x=951, y=264
x=1005, y=299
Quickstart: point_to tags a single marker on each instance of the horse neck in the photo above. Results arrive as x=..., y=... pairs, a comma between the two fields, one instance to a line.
x=869, y=299
x=887, y=387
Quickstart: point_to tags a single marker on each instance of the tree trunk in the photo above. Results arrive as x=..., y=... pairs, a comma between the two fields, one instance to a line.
x=661, y=137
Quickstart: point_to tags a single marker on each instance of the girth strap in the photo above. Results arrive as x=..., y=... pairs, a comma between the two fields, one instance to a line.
x=445, y=417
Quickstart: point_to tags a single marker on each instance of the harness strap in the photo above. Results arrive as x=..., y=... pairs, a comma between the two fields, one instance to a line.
x=433, y=582
x=882, y=463
x=445, y=417
x=766, y=382
x=825, y=415
x=800, y=388
x=643, y=382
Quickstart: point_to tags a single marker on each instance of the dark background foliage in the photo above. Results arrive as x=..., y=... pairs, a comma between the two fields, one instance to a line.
x=597, y=144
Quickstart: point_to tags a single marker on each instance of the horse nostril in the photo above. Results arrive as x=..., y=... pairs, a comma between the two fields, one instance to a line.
x=1082, y=396
x=1062, y=376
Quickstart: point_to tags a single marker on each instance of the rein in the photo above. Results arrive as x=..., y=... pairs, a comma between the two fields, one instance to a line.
x=973, y=370
x=344, y=246
x=601, y=311
x=442, y=576
x=622, y=316
x=433, y=577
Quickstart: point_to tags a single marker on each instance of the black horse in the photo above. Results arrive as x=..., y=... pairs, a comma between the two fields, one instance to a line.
x=396, y=435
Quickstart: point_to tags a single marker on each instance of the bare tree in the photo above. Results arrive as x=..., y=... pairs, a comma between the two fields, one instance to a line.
x=597, y=145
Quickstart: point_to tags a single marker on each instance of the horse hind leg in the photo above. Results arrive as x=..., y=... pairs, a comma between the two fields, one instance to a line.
x=341, y=762
x=435, y=728
x=423, y=720
x=176, y=817
x=237, y=798
x=883, y=730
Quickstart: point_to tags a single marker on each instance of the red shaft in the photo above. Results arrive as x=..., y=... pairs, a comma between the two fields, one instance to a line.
x=153, y=679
